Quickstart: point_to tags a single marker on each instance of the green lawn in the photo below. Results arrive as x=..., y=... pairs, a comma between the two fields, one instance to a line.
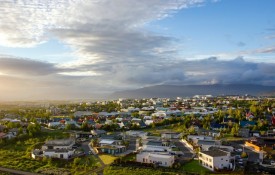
x=111, y=170
x=195, y=167
x=107, y=159
x=130, y=157
x=230, y=137
x=15, y=154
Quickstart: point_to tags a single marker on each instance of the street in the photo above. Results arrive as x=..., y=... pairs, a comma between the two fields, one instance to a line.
x=186, y=151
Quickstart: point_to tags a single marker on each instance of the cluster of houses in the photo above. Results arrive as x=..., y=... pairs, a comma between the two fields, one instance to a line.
x=61, y=149
x=10, y=133
x=159, y=150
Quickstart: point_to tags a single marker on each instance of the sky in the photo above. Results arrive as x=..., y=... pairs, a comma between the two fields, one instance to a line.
x=74, y=49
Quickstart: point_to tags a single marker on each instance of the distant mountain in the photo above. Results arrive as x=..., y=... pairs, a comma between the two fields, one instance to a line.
x=170, y=91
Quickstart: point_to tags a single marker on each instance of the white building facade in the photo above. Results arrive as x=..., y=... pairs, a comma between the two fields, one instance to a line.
x=160, y=159
x=215, y=159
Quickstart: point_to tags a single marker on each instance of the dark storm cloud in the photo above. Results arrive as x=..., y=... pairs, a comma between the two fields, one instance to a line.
x=11, y=65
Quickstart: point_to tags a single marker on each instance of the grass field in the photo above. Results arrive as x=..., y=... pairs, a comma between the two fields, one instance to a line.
x=107, y=159
x=195, y=167
x=16, y=154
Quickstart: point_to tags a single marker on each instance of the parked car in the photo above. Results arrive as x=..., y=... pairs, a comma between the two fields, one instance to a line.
x=237, y=156
x=239, y=150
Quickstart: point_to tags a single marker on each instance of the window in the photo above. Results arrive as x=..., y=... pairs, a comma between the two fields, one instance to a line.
x=210, y=160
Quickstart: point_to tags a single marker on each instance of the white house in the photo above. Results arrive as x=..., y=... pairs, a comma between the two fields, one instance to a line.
x=61, y=149
x=53, y=124
x=161, y=159
x=134, y=133
x=170, y=135
x=59, y=153
x=58, y=144
x=149, y=122
x=215, y=159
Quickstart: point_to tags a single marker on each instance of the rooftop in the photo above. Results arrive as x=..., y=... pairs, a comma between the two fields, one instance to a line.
x=60, y=142
x=215, y=153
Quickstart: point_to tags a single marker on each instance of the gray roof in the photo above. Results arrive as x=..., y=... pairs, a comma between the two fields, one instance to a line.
x=215, y=153
x=58, y=150
x=206, y=142
x=61, y=142
x=154, y=143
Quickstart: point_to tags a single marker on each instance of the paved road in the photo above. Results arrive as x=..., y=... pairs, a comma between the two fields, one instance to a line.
x=13, y=171
x=252, y=155
x=87, y=149
x=133, y=144
x=187, y=153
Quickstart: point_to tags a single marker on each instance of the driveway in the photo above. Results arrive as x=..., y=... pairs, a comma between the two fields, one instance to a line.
x=188, y=154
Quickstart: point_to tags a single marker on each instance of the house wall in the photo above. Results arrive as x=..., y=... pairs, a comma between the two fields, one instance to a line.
x=170, y=136
x=221, y=162
x=53, y=154
x=164, y=160
x=112, y=150
x=44, y=147
x=211, y=163
x=207, y=162
x=255, y=147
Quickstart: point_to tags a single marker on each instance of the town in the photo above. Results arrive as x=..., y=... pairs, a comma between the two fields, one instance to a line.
x=198, y=135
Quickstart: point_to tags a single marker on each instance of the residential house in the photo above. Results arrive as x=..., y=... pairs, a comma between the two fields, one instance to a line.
x=206, y=132
x=59, y=153
x=149, y=122
x=215, y=160
x=134, y=133
x=244, y=132
x=111, y=146
x=12, y=133
x=205, y=144
x=246, y=124
x=2, y=135
x=2, y=127
x=112, y=149
x=61, y=149
x=157, y=146
x=217, y=126
x=58, y=144
x=171, y=135
x=160, y=159
x=98, y=132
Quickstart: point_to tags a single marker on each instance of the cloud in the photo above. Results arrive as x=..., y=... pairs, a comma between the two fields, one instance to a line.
x=14, y=66
x=241, y=44
x=53, y=83
x=114, y=50
x=266, y=50
x=24, y=22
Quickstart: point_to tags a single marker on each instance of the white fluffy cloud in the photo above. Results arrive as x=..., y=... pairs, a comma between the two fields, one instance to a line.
x=114, y=51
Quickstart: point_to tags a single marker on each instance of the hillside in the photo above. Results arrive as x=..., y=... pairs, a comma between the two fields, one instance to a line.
x=170, y=91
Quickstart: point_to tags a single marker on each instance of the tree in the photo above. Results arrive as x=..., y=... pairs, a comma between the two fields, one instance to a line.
x=33, y=129
x=20, y=131
x=191, y=130
x=244, y=155
x=95, y=142
x=85, y=126
x=76, y=162
x=69, y=126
